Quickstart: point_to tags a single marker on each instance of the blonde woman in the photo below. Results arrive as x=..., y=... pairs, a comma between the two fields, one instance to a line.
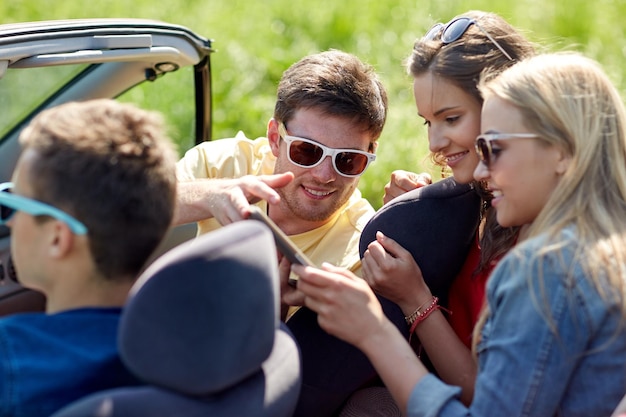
x=552, y=342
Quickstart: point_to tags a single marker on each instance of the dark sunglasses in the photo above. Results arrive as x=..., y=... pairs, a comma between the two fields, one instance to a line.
x=10, y=203
x=454, y=29
x=307, y=153
x=484, y=146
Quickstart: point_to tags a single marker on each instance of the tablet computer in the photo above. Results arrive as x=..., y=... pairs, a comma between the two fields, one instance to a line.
x=283, y=243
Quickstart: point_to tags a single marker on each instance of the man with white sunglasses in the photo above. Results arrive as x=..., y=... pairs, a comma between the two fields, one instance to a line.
x=330, y=111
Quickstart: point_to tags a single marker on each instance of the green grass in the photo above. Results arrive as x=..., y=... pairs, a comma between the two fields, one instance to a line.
x=258, y=40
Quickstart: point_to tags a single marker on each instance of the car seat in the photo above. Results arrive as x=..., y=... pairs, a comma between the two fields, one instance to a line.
x=436, y=223
x=201, y=328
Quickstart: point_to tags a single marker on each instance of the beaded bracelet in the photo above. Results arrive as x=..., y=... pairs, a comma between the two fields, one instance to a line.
x=422, y=315
x=411, y=317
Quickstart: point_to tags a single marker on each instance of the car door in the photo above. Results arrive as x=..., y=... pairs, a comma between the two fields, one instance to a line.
x=43, y=64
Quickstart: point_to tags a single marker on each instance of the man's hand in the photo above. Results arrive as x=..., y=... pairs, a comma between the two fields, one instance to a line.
x=227, y=200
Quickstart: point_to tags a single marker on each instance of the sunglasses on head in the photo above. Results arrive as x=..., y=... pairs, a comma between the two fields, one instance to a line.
x=10, y=203
x=307, y=153
x=484, y=146
x=454, y=29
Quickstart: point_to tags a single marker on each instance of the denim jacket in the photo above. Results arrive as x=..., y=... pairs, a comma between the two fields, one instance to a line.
x=550, y=347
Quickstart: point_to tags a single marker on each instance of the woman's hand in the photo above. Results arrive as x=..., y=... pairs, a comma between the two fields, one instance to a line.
x=404, y=181
x=392, y=272
x=346, y=306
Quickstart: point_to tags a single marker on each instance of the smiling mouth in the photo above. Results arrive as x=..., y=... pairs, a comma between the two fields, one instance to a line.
x=455, y=157
x=317, y=193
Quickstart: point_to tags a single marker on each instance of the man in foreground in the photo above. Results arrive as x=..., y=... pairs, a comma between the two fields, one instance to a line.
x=91, y=198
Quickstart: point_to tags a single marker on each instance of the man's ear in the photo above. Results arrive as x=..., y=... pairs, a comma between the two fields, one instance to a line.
x=61, y=239
x=273, y=136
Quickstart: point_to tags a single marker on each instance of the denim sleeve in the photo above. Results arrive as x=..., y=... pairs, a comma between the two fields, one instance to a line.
x=431, y=398
x=524, y=365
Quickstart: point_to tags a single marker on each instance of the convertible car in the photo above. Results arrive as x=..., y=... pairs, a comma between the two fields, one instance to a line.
x=177, y=335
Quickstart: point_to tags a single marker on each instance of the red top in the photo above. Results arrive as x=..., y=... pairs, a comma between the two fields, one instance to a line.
x=467, y=295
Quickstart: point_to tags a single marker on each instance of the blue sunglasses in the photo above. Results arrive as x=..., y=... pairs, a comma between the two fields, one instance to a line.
x=10, y=203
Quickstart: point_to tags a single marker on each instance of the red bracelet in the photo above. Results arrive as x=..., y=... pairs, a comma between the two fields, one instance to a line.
x=422, y=315
x=410, y=319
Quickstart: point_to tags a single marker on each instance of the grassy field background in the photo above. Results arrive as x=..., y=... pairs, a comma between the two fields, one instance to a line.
x=257, y=40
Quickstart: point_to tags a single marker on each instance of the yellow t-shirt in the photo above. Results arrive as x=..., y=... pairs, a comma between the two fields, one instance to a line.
x=336, y=242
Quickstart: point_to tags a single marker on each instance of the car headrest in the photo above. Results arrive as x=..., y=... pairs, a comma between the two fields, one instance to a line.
x=203, y=316
x=436, y=223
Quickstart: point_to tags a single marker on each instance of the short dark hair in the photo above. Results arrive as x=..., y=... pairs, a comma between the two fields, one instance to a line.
x=338, y=84
x=111, y=166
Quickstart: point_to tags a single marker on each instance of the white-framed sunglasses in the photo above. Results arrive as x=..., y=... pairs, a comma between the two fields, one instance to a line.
x=307, y=153
x=484, y=145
